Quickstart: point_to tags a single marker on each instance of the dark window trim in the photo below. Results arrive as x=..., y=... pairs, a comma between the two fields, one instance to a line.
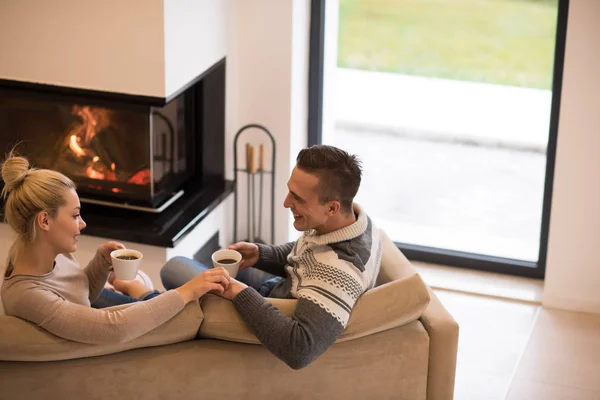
x=470, y=260
x=559, y=61
x=444, y=256
x=315, y=72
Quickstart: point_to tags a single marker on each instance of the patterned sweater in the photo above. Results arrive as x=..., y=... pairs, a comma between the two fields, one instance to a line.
x=327, y=274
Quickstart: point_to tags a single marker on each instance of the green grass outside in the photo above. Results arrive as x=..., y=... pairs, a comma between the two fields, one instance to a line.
x=509, y=42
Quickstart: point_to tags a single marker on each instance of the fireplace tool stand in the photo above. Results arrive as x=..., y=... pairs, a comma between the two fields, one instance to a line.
x=251, y=170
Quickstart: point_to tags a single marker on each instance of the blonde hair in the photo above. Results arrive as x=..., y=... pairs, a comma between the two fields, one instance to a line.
x=27, y=192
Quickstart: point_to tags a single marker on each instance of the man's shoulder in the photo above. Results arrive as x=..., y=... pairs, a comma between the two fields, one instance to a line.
x=358, y=250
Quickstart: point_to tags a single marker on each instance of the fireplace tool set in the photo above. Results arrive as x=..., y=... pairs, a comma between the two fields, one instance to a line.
x=254, y=170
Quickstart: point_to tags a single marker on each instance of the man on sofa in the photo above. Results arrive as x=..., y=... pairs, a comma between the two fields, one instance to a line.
x=335, y=261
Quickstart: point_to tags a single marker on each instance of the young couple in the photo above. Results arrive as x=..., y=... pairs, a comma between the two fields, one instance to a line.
x=335, y=260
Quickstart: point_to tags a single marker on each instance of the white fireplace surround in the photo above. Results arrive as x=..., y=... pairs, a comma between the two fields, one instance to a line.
x=138, y=47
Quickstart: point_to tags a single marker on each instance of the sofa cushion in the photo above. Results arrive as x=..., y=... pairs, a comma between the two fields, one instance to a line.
x=387, y=306
x=400, y=298
x=23, y=341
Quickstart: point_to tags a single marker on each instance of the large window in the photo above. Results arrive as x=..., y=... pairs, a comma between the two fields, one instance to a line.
x=452, y=106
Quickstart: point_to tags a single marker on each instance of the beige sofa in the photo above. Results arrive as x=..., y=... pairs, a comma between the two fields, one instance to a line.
x=400, y=343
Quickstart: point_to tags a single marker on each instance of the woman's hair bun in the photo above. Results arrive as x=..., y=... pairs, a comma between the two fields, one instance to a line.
x=14, y=172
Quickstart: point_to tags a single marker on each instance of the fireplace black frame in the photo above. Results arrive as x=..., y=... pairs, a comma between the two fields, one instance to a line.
x=202, y=103
x=203, y=191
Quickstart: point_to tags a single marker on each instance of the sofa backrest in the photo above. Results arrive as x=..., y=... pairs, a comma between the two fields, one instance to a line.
x=394, y=265
x=400, y=297
x=23, y=341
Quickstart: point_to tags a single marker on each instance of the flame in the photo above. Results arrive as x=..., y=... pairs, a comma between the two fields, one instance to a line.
x=141, y=177
x=94, y=174
x=74, y=146
x=93, y=121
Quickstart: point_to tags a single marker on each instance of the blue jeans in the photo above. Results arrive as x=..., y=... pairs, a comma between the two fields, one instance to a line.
x=108, y=298
x=180, y=270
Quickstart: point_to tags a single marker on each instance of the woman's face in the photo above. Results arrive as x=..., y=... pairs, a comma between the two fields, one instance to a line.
x=65, y=227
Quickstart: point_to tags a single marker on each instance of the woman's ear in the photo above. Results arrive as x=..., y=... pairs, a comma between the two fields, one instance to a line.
x=43, y=220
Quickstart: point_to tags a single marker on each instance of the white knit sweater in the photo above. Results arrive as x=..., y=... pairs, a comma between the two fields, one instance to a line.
x=334, y=269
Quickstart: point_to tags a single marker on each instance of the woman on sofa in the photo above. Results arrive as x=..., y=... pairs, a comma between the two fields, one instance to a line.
x=45, y=285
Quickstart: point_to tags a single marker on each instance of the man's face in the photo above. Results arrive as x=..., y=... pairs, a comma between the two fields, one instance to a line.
x=303, y=201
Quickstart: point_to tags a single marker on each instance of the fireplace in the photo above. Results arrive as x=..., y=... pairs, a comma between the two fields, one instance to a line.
x=121, y=150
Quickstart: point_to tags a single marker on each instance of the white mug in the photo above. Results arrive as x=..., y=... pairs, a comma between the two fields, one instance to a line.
x=126, y=269
x=226, y=254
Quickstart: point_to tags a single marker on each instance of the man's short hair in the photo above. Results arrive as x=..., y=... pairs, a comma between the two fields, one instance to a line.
x=338, y=171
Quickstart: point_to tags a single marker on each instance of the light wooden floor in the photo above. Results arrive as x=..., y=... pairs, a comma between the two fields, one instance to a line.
x=520, y=351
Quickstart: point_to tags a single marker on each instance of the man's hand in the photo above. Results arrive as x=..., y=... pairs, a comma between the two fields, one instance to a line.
x=235, y=287
x=249, y=252
x=107, y=248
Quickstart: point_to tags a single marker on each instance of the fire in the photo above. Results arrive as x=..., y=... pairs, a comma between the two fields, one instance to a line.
x=74, y=146
x=141, y=177
x=93, y=121
x=92, y=173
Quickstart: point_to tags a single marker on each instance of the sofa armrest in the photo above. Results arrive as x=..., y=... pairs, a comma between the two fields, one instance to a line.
x=443, y=334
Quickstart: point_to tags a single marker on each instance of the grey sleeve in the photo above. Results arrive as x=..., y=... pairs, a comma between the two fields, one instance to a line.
x=298, y=340
x=273, y=259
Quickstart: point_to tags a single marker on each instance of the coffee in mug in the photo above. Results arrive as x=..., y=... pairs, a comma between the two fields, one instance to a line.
x=228, y=259
x=126, y=263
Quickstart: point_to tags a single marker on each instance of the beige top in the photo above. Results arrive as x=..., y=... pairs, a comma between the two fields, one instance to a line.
x=59, y=302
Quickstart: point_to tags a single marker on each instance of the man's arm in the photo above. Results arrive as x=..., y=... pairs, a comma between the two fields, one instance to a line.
x=298, y=340
x=273, y=259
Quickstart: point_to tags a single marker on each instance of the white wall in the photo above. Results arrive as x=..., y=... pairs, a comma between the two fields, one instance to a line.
x=573, y=268
x=142, y=47
x=195, y=39
x=113, y=45
x=267, y=83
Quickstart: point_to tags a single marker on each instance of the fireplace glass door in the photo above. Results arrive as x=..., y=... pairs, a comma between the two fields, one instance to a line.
x=113, y=152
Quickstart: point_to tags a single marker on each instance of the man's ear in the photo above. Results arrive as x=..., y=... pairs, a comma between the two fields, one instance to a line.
x=334, y=207
x=43, y=220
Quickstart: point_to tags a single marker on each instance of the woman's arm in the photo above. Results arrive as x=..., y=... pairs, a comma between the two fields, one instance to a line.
x=94, y=326
x=97, y=273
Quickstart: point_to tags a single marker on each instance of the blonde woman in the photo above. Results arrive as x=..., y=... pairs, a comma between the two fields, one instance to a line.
x=44, y=284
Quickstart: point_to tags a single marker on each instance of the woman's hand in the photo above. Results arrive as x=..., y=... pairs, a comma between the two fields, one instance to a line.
x=249, y=252
x=107, y=248
x=214, y=280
